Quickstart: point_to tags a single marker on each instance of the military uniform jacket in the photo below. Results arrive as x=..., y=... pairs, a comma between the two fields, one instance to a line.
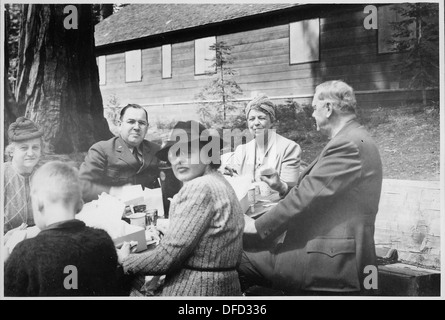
x=111, y=163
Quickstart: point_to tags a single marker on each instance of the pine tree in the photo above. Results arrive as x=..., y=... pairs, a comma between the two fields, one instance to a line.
x=418, y=34
x=220, y=93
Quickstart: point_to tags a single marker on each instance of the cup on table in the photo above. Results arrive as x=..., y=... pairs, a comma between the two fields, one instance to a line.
x=151, y=217
x=138, y=219
x=251, y=195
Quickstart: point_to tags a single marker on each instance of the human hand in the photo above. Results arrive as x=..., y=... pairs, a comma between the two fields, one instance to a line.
x=152, y=234
x=162, y=229
x=123, y=252
x=229, y=171
x=272, y=179
x=8, y=234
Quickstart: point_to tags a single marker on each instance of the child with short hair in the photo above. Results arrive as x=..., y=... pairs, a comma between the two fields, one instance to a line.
x=66, y=258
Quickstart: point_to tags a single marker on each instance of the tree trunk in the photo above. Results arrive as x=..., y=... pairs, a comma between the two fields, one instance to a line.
x=11, y=110
x=58, y=79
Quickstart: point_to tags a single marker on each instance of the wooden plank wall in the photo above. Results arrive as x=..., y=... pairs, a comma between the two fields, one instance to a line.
x=347, y=51
x=409, y=221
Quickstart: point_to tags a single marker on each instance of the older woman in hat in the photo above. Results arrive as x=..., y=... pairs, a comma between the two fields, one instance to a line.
x=202, y=246
x=25, y=149
x=269, y=154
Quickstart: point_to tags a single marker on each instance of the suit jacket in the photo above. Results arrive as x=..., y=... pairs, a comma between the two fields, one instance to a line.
x=111, y=163
x=329, y=217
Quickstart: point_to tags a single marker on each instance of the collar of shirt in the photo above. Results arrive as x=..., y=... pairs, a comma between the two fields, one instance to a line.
x=66, y=224
x=138, y=150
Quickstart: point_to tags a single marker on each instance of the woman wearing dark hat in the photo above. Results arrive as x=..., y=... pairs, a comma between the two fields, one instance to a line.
x=269, y=153
x=25, y=149
x=201, y=249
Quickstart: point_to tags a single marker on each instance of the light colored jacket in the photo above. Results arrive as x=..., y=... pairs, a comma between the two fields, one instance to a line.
x=282, y=154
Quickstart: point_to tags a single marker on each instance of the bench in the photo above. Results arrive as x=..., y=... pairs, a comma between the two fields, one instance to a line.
x=408, y=222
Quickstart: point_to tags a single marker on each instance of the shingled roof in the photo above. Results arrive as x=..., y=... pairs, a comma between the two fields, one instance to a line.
x=143, y=20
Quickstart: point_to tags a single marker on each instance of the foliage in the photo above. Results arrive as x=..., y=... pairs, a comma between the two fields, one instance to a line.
x=102, y=11
x=418, y=34
x=112, y=113
x=13, y=17
x=295, y=122
x=165, y=125
x=219, y=94
x=374, y=117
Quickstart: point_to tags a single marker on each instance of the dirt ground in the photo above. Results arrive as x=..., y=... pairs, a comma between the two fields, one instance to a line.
x=409, y=145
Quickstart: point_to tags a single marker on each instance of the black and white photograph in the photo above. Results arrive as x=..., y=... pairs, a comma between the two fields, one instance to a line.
x=250, y=152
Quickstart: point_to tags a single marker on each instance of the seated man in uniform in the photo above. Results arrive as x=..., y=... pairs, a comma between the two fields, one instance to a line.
x=124, y=160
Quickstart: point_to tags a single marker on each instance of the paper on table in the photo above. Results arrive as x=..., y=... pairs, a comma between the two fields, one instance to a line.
x=132, y=194
x=105, y=205
x=153, y=200
x=240, y=184
x=104, y=213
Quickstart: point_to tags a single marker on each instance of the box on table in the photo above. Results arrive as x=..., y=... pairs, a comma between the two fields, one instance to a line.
x=132, y=233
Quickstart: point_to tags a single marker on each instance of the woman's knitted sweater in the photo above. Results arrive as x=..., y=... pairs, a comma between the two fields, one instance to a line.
x=203, y=244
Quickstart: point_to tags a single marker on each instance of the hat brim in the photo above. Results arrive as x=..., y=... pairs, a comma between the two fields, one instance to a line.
x=162, y=154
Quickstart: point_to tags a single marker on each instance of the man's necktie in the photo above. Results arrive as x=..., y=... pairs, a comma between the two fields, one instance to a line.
x=136, y=155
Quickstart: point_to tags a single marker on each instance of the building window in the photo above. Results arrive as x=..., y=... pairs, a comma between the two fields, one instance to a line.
x=133, y=66
x=204, y=56
x=166, y=61
x=102, y=65
x=386, y=16
x=304, y=41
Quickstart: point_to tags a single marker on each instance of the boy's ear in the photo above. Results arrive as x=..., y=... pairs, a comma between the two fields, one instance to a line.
x=40, y=205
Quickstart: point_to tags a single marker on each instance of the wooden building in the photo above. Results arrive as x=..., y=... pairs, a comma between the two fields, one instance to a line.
x=155, y=54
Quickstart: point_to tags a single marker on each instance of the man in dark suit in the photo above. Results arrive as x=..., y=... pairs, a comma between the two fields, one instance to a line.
x=329, y=216
x=127, y=159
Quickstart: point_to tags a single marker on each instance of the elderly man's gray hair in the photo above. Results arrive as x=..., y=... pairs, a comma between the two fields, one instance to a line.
x=338, y=92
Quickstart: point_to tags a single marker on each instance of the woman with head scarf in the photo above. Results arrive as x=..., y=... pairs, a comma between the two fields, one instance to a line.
x=24, y=149
x=203, y=244
x=268, y=156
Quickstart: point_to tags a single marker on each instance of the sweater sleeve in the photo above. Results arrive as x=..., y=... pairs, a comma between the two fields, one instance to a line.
x=17, y=281
x=189, y=220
